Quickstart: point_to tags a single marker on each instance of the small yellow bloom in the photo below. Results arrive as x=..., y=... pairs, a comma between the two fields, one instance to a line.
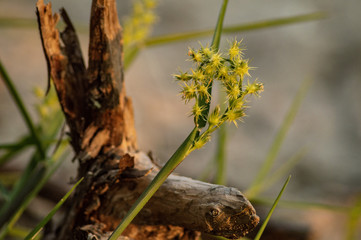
x=241, y=68
x=235, y=51
x=216, y=60
x=214, y=117
x=188, y=92
x=198, y=75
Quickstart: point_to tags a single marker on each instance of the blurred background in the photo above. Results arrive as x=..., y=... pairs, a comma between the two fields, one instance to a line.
x=328, y=124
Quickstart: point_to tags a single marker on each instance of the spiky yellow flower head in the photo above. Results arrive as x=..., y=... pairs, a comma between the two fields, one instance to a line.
x=214, y=118
x=196, y=56
x=235, y=51
x=230, y=70
x=241, y=68
x=254, y=88
x=189, y=91
x=138, y=25
x=198, y=75
x=197, y=111
x=216, y=60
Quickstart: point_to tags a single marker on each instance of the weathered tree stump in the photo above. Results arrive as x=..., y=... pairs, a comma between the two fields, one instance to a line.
x=101, y=127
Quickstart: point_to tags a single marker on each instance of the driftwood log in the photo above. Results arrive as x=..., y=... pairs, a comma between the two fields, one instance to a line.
x=101, y=127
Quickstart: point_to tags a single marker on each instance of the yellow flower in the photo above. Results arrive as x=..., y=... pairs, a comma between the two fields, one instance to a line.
x=216, y=60
x=214, y=117
x=235, y=114
x=235, y=51
x=241, y=68
x=198, y=75
x=254, y=88
x=188, y=92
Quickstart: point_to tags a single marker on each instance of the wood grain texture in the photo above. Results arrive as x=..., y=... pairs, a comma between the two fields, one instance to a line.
x=182, y=201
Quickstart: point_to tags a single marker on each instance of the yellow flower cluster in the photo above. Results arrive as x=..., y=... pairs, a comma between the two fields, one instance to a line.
x=49, y=104
x=138, y=26
x=230, y=70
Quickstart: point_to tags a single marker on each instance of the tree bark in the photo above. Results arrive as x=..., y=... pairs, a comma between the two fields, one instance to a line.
x=101, y=126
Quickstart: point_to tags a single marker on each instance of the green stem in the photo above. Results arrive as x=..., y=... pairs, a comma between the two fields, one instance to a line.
x=263, y=227
x=215, y=46
x=130, y=55
x=33, y=234
x=221, y=155
x=218, y=31
x=36, y=183
x=165, y=39
x=172, y=163
x=18, y=197
x=19, y=103
x=279, y=139
x=300, y=205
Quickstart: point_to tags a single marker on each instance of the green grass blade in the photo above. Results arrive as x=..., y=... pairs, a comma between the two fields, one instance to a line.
x=205, y=174
x=354, y=220
x=130, y=55
x=236, y=28
x=19, y=232
x=204, y=102
x=260, y=231
x=172, y=163
x=279, y=139
x=38, y=227
x=300, y=205
x=221, y=155
x=20, y=22
x=4, y=193
x=20, y=104
x=15, y=148
x=166, y=39
x=24, y=141
x=35, y=186
x=17, y=22
x=219, y=27
x=283, y=170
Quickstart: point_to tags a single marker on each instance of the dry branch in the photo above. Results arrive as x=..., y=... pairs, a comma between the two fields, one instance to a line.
x=100, y=119
x=183, y=201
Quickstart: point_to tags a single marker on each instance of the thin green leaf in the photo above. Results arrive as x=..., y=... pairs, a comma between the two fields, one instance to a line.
x=18, y=232
x=165, y=39
x=38, y=227
x=35, y=169
x=283, y=170
x=354, y=220
x=15, y=148
x=300, y=205
x=260, y=231
x=17, y=22
x=205, y=102
x=10, y=154
x=221, y=155
x=37, y=181
x=163, y=174
x=205, y=175
x=20, y=22
x=4, y=193
x=236, y=28
x=24, y=141
x=219, y=27
x=20, y=104
x=9, y=178
x=279, y=139
x=130, y=55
